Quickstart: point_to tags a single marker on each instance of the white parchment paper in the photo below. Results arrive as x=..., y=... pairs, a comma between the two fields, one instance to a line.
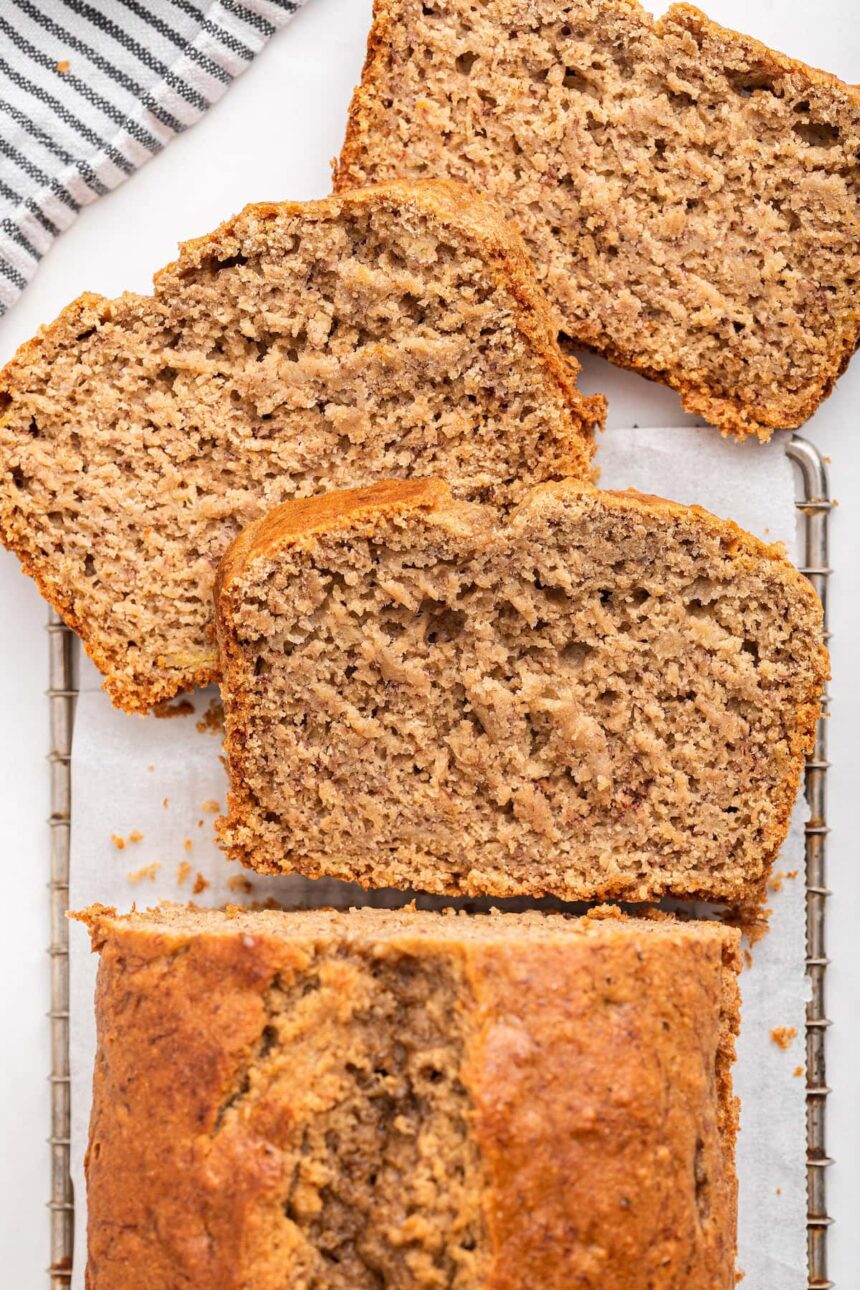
x=154, y=786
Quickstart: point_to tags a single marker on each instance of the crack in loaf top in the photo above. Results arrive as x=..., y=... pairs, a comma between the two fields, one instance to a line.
x=689, y=196
x=395, y=331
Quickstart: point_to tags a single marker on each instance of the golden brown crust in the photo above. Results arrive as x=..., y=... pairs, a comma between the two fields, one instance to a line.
x=564, y=1208
x=591, y=1047
x=359, y=511
x=448, y=203
x=309, y=515
x=758, y=418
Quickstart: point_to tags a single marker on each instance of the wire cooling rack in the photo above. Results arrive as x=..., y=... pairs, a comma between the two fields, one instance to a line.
x=814, y=505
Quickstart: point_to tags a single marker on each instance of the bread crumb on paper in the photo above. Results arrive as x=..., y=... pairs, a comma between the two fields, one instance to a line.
x=211, y=807
x=188, y=844
x=798, y=1071
x=181, y=709
x=118, y=842
x=783, y=1036
x=62, y=66
x=240, y=883
x=183, y=872
x=200, y=884
x=135, y=836
x=148, y=871
x=212, y=721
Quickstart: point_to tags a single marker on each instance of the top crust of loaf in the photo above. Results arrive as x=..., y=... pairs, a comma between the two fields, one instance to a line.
x=476, y=227
x=761, y=401
x=294, y=523
x=233, y=1010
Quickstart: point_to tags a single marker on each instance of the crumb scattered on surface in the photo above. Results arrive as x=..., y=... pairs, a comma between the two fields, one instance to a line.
x=240, y=883
x=135, y=836
x=211, y=807
x=147, y=871
x=183, y=708
x=200, y=884
x=118, y=842
x=791, y=873
x=63, y=66
x=783, y=1036
x=748, y=959
x=754, y=921
x=212, y=721
x=798, y=1071
x=183, y=872
x=200, y=824
x=188, y=844
x=779, y=1191
x=150, y=768
x=776, y=880
x=166, y=802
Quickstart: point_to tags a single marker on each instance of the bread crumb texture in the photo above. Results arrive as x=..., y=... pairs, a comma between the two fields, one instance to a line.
x=689, y=196
x=783, y=1036
x=297, y=348
x=602, y=695
x=344, y=1101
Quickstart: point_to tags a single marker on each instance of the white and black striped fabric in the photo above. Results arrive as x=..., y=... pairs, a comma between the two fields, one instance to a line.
x=91, y=89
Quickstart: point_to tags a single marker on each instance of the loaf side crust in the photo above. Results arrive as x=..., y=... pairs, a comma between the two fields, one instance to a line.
x=575, y=1170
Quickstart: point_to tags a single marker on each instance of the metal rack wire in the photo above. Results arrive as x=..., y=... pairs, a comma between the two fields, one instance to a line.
x=815, y=506
x=61, y=699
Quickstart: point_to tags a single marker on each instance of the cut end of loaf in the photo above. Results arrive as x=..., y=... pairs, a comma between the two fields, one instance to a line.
x=627, y=150
x=604, y=696
x=300, y=347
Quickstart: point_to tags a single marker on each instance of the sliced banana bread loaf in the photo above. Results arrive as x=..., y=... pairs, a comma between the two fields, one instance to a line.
x=348, y=1101
x=395, y=331
x=689, y=196
x=605, y=695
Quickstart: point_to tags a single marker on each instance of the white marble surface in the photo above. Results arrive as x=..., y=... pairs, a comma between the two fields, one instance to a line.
x=272, y=137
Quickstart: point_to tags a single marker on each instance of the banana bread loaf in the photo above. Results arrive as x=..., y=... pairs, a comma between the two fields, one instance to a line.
x=688, y=195
x=605, y=695
x=350, y=1101
x=299, y=347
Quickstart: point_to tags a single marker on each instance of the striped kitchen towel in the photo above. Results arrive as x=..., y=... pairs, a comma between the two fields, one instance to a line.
x=90, y=91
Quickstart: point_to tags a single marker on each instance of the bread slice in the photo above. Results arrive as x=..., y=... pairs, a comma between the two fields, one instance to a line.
x=607, y=695
x=345, y=1101
x=689, y=196
x=299, y=347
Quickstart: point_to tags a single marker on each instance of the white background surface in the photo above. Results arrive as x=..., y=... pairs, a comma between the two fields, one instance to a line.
x=271, y=137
